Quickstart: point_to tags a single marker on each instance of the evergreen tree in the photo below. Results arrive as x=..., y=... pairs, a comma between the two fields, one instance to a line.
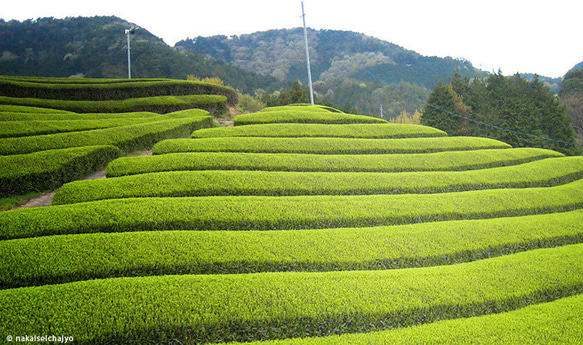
x=512, y=109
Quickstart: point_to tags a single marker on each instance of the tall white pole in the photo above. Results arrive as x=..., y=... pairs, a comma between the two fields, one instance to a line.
x=128, y=32
x=308, y=56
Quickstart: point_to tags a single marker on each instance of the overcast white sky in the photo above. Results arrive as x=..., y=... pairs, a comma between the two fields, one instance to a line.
x=541, y=37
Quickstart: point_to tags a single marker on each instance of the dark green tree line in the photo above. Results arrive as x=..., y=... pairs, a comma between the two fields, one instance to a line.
x=503, y=108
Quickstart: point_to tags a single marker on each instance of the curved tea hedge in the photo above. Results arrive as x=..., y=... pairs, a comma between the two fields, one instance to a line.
x=439, y=161
x=389, y=130
x=103, y=255
x=327, y=145
x=16, y=116
x=293, y=212
x=496, y=240
x=159, y=104
x=107, y=89
x=206, y=308
x=542, y=173
x=560, y=321
x=11, y=129
x=125, y=137
x=45, y=170
x=302, y=116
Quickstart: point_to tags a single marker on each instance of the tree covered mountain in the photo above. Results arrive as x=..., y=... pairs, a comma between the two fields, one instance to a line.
x=333, y=54
x=96, y=47
x=350, y=70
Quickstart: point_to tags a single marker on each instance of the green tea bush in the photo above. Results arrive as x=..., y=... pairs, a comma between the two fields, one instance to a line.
x=127, y=138
x=327, y=145
x=46, y=170
x=102, y=90
x=25, y=109
x=542, y=173
x=262, y=306
x=290, y=212
x=158, y=104
x=102, y=255
x=560, y=321
x=302, y=116
x=42, y=127
x=440, y=161
x=392, y=130
x=16, y=116
x=302, y=107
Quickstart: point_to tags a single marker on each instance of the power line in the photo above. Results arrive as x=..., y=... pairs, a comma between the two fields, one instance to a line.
x=465, y=117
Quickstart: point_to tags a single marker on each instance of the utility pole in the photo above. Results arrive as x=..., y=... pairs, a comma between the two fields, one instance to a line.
x=308, y=56
x=129, y=32
x=382, y=117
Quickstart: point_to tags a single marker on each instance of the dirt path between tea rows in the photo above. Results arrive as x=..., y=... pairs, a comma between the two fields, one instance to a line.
x=47, y=199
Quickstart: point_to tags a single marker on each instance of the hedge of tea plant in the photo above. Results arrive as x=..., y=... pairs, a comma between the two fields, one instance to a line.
x=327, y=145
x=126, y=138
x=290, y=212
x=302, y=116
x=262, y=306
x=542, y=173
x=439, y=161
x=160, y=104
x=107, y=89
x=39, y=260
x=559, y=321
x=46, y=170
x=373, y=130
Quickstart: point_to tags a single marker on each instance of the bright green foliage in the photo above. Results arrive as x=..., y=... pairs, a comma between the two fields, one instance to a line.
x=125, y=137
x=161, y=104
x=542, y=173
x=68, y=116
x=557, y=322
x=24, y=109
x=440, y=161
x=275, y=305
x=37, y=261
x=107, y=89
x=321, y=130
x=326, y=145
x=301, y=107
x=46, y=170
x=302, y=116
x=41, y=127
x=293, y=212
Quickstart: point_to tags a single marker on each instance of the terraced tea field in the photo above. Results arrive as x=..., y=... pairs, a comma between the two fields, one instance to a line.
x=304, y=225
x=55, y=130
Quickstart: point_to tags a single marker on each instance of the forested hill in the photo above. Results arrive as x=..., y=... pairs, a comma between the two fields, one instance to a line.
x=334, y=55
x=96, y=47
x=350, y=70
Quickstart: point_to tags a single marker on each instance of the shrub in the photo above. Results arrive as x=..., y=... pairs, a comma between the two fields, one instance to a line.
x=322, y=130
x=440, y=161
x=127, y=138
x=558, y=321
x=326, y=145
x=542, y=173
x=102, y=255
x=108, y=89
x=46, y=170
x=41, y=127
x=302, y=116
x=220, y=308
x=293, y=212
x=158, y=104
